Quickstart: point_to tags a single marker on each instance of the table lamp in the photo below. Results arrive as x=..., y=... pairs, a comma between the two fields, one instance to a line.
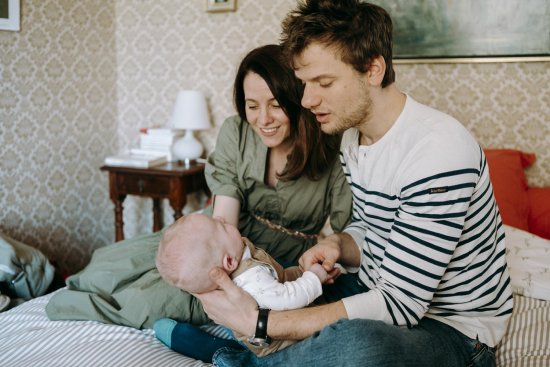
x=190, y=113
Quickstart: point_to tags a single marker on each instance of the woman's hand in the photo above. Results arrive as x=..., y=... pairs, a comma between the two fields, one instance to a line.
x=229, y=305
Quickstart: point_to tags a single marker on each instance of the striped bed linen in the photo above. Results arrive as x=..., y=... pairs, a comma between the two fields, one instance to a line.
x=527, y=339
x=29, y=338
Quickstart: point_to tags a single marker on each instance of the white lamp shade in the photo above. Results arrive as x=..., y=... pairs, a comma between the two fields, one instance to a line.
x=190, y=112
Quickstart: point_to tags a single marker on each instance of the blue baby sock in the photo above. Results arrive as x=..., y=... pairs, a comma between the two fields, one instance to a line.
x=163, y=330
x=190, y=340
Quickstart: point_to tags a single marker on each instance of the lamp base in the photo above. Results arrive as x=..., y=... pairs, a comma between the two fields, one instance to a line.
x=187, y=148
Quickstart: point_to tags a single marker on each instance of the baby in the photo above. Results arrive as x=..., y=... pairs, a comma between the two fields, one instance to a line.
x=196, y=243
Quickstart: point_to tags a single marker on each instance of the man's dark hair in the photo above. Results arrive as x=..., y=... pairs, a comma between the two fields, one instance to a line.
x=357, y=30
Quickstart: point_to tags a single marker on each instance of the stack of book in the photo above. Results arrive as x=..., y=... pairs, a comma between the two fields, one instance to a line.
x=158, y=140
x=136, y=160
x=155, y=147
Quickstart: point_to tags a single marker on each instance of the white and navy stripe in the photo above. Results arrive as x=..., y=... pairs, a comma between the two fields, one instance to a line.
x=429, y=230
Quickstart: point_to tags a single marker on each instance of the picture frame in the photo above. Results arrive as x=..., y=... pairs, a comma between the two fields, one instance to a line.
x=10, y=15
x=446, y=31
x=214, y=6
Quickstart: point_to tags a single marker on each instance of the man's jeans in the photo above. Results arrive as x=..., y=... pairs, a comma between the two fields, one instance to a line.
x=372, y=343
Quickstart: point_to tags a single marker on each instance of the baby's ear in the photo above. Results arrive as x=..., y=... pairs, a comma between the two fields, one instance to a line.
x=230, y=263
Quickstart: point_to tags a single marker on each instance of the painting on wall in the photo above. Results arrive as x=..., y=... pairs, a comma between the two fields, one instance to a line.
x=9, y=15
x=469, y=28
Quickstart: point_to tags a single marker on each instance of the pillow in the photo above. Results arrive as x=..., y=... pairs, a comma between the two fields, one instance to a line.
x=510, y=185
x=539, y=211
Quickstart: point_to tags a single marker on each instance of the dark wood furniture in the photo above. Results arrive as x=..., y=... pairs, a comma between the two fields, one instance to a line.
x=172, y=181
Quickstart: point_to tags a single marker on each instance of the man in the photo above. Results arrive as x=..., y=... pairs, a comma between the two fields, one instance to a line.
x=426, y=237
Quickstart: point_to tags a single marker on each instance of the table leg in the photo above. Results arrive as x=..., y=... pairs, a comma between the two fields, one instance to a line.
x=119, y=223
x=178, y=208
x=157, y=215
x=177, y=197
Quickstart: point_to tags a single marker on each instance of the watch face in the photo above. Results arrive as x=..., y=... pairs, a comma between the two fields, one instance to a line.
x=259, y=342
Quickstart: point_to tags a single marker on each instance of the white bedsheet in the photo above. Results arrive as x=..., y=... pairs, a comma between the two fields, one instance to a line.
x=528, y=258
x=29, y=338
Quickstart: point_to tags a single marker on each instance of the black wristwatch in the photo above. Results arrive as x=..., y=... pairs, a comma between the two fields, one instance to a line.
x=260, y=338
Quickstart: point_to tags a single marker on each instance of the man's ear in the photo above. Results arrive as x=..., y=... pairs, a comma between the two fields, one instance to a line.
x=376, y=71
x=229, y=263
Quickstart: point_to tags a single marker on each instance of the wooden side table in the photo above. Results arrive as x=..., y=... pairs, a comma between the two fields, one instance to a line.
x=172, y=181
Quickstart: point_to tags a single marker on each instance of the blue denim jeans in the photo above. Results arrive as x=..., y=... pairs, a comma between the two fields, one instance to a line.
x=372, y=343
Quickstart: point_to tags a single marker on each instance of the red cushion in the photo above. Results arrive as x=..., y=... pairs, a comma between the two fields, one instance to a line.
x=539, y=214
x=510, y=185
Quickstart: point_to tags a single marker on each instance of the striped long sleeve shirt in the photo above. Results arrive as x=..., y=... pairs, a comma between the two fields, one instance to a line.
x=427, y=226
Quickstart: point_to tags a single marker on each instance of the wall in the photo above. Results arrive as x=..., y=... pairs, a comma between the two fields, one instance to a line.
x=168, y=45
x=82, y=77
x=502, y=104
x=58, y=120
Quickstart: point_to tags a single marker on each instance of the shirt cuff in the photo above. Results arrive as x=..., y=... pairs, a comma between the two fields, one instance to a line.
x=369, y=305
x=228, y=190
x=357, y=236
x=315, y=282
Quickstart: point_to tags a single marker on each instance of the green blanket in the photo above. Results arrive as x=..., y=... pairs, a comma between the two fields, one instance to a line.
x=121, y=285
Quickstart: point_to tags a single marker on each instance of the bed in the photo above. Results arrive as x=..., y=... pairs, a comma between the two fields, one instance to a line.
x=29, y=338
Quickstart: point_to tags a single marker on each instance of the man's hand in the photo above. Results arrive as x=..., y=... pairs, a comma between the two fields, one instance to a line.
x=229, y=305
x=326, y=253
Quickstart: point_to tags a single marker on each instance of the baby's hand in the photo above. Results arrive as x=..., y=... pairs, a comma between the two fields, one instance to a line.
x=318, y=270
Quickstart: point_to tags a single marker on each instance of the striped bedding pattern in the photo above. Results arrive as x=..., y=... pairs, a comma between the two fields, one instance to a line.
x=29, y=338
x=527, y=340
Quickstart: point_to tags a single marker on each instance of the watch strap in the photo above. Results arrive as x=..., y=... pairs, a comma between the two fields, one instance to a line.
x=260, y=338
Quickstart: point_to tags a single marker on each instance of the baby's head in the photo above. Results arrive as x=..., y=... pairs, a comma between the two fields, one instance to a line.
x=192, y=246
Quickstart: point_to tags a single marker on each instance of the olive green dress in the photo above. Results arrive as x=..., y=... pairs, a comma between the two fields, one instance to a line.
x=237, y=169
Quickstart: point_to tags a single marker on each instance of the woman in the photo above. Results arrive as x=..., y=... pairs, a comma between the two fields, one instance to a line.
x=273, y=174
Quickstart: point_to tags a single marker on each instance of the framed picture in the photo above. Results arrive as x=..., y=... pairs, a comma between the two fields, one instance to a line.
x=221, y=5
x=487, y=30
x=9, y=15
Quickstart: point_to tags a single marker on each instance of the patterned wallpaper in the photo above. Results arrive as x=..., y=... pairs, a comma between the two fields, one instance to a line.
x=82, y=77
x=502, y=104
x=58, y=119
